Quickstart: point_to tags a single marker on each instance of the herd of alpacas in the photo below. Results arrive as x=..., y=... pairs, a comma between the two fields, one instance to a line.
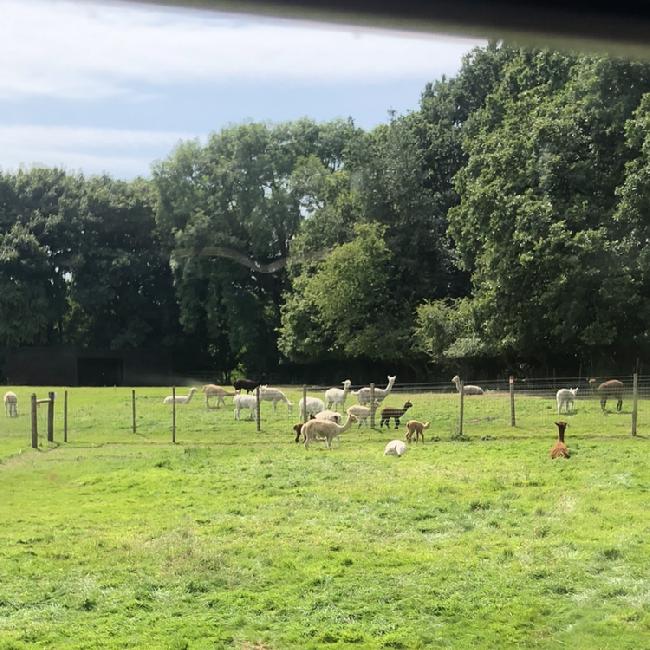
x=321, y=421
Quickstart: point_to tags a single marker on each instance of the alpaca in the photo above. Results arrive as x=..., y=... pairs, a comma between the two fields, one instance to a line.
x=11, y=404
x=245, y=384
x=324, y=430
x=180, y=399
x=388, y=413
x=468, y=389
x=298, y=428
x=363, y=394
x=417, y=428
x=559, y=449
x=362, y=413
x=212, y=390
x=274, y=395
x=565, y=396
x=336, y=396
x=612, y=388
x=313, y=406
x=332, y=416
x=245, y=402
x=395, y=448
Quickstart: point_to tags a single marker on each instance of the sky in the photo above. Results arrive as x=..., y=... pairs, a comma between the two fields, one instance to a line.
x=110, y=87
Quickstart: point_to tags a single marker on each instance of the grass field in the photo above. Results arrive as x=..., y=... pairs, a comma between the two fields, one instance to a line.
x=233, y=538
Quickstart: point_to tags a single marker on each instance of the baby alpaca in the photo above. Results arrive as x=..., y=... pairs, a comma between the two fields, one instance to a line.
x=417, y=428
x=395, y=448
x=565, y=396
x=559, y=449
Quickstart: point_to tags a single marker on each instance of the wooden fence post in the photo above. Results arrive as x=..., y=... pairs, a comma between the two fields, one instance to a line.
x=34, y=422
x=174, y=414
x=65, y=416
x=372, y=406
x=133, y=409
x=50, y=417
x=462, y=407
x=511, y=381
x=257, y=414
x=304, y=402
x=635, y=396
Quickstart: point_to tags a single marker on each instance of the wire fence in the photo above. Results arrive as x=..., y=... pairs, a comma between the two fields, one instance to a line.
x=490, y=408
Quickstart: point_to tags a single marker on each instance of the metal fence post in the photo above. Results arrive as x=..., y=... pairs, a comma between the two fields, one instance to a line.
x=34, y=422
x=133, y=409
x=372, y=406
x=462, y=407
x=65, y=416
x=257, y=410
x=50, y=417
x=174, y=414
x=511, y=381
x=635, y=396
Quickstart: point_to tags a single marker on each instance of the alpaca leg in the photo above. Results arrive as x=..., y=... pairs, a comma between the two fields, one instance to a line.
x=619, y=405
x=396, y=422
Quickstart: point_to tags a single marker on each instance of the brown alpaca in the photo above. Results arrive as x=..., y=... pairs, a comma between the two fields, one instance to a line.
x=415, y=427
x=559, y=449
x=298, y=428
x=612, y=388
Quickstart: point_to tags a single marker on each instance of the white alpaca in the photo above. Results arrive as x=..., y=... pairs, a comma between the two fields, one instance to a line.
x=363, y=395
x=565, y=396
x=395, y=448
x=324, y=430
x=314, y=406
x=468, y=389
x=332, y=416
x=274, y=395
x=180, y=399
x=245, y=402
x=212, y=390
x=336, y=396
x=362, y=413
x=11, y=404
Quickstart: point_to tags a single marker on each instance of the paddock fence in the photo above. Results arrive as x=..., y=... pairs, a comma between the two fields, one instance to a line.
x=523, y=407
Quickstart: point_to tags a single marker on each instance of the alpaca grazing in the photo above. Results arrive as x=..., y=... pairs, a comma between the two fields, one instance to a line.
x=245, y=384
x=388, y=413
x=274, y=395
x=414, y=427
x=180, y=399
x=212, y=390
x=564, y=397
x=324, y=430
x=363, y=394
x=311, y=407
x=559, y=449
x=395, y=448
x=612, y=388
x=336, y=396
x=11, y=404
x=468, y=389
x=362, y=413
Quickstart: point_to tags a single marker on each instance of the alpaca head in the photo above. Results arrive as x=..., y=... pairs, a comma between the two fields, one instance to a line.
x=407, y=406
x=574, y=391
x=455, y=379
x=347, y=384
x=425, y=425
x=391, y=380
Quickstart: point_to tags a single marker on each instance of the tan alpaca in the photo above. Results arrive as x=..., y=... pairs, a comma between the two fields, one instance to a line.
x=324, y=430
x=417, y=428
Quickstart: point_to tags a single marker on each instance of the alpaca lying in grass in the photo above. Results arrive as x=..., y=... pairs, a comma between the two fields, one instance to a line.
x=395, y=448
x=559, y=449
x=417, y=428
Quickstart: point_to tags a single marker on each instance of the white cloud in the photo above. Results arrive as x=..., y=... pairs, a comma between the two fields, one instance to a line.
x=122, y=152
x=94, y=51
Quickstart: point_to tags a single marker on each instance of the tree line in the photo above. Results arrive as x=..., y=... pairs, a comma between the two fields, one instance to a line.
x=504, y=221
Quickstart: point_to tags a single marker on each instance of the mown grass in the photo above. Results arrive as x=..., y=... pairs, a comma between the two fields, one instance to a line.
x=233, y=538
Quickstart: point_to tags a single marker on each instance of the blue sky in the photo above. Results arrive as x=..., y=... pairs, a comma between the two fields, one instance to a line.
x=98, y=87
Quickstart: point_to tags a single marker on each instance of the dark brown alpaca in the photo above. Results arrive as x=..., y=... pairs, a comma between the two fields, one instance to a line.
x=559, y=449
x=298, y=428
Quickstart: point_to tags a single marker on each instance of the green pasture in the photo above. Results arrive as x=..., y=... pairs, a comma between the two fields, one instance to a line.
x=237, y=539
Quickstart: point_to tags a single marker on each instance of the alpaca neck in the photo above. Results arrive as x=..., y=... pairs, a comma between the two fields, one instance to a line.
x=189, y=397
x=346, y=425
